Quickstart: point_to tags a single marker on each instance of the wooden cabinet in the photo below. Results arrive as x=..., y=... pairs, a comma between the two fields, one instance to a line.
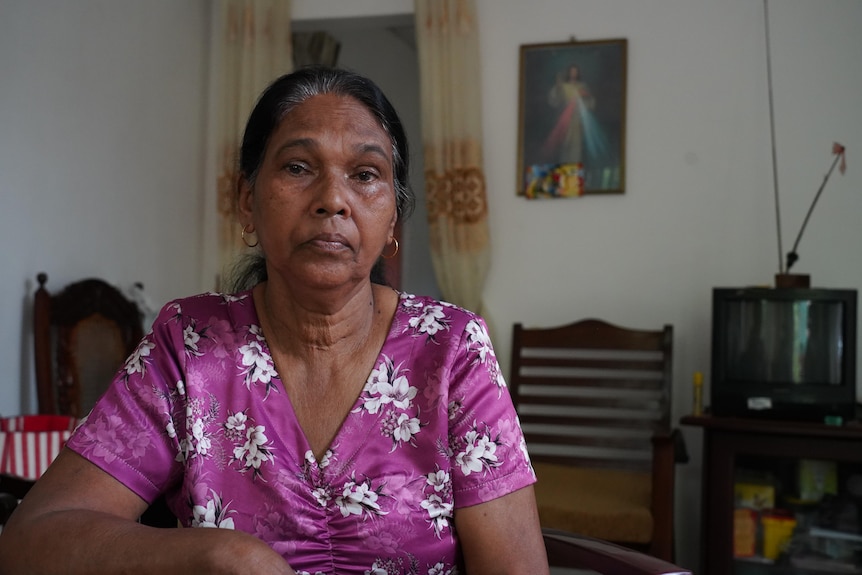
x=732, y=445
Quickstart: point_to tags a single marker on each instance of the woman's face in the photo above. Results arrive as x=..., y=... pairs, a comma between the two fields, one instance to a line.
x=323, y=204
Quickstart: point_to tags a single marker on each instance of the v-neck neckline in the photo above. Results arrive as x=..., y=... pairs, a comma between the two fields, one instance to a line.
x=292, y=423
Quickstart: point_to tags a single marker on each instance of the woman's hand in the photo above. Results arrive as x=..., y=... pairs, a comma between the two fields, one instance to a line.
x=244, y=554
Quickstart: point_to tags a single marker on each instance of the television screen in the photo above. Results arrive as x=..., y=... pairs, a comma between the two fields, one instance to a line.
x=800, y=341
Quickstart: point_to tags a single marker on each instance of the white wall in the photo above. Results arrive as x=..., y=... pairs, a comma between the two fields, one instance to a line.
x=102, y=138
x=102, y=109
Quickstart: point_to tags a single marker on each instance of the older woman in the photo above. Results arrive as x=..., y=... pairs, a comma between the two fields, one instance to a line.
x=320, y=422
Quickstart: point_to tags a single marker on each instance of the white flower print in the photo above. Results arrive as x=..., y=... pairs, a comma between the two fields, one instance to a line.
x=430, y=321
x=235, y=426
x=440, y=569
x=203, y=443
x=197, y=441
x=409, y=300
x=406, y=427
x=322, y=495
x=357, y=498
x=479, y=453
x=137, y=361
x=498, y=378
x=400, y=392
x=439, y=502
x=254, y=451
x=439, y=513
x=212, y=515
x=258, y=364
x=479, y=341
x=439, y=480
x=324, y=461
x=191, y=339
x=386, y=385
x=400, y=427
x=236, y=421
x=376, y=570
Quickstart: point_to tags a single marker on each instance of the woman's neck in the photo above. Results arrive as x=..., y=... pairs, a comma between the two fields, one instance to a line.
x=308, y=325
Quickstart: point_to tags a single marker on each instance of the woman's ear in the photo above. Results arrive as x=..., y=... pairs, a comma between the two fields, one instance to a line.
x=393, y=224
x=244, y=196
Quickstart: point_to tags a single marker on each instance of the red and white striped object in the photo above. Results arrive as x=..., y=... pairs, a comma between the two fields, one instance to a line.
x=29, y=443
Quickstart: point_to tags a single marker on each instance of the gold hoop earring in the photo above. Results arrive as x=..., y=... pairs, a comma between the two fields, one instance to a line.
x=246, y=230
x=389, y=257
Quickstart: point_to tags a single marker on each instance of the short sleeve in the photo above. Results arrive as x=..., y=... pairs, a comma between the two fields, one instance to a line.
x=488, y=452
x=130, y=432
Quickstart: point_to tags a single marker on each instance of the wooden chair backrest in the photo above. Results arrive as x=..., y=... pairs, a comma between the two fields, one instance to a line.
x=591, y=393
x=82, y=336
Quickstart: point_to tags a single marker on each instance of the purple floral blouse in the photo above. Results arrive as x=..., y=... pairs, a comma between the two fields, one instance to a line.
x=199, y=413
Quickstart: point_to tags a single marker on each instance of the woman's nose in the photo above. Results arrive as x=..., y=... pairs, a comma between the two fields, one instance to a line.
x=332, y=195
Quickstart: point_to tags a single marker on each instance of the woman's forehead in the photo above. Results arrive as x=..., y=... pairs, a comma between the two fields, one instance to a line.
x=324, y=109
x=332, y=114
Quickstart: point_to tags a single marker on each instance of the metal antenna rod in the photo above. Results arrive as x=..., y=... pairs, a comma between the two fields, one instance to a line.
x=772, y=136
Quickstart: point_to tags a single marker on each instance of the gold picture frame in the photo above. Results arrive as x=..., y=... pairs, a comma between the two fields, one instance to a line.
x=572, y=118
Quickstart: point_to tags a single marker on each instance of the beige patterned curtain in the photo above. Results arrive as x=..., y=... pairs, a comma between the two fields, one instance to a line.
x=448, y=43
x=255, y=49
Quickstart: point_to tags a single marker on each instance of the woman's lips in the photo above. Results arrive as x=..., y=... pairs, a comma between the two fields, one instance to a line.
x=330, y=242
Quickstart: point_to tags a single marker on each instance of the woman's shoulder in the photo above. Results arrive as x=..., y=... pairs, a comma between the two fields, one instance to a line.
x=418, y=305
x=208, y=304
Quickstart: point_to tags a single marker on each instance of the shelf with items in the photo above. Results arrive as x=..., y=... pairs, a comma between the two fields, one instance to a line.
x=774, y=495
x=797, y=512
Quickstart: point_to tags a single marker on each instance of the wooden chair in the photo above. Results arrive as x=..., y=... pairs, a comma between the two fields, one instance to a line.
x=594, y=402
x=571, y=551
x=81, y=338
x=85, y=333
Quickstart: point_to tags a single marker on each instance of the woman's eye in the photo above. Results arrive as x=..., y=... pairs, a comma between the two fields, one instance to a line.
x=294, y=168
x=366, y=176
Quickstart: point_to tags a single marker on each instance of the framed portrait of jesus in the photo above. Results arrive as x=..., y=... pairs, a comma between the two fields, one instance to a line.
x=572, y=118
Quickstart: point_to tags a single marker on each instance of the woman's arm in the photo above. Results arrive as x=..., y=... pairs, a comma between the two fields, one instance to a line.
x=79, y=519
x=502, y=536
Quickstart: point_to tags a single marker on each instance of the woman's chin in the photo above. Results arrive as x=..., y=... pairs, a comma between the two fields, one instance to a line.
x=328, y=277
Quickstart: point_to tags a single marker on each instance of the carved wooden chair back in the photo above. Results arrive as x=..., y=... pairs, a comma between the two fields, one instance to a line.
x=82, y=336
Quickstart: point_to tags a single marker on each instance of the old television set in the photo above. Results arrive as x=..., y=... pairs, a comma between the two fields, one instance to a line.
x=786, y=353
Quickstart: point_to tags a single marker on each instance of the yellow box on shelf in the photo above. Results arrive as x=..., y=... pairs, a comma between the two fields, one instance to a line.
x=754, y=495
